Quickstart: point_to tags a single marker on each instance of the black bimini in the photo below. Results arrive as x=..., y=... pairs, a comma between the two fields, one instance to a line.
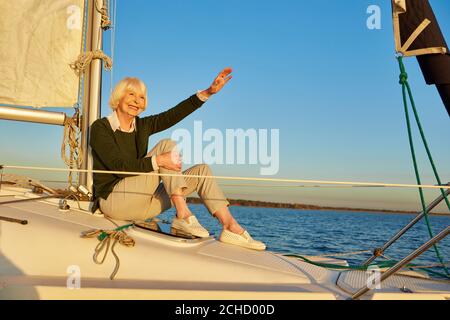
x=417, y=33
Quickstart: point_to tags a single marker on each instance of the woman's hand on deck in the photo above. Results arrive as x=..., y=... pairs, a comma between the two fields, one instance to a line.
x=218, y=83
x=169, y=160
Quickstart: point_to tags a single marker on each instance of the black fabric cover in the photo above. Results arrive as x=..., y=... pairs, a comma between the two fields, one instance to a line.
x=435, y=67
x=444, y=91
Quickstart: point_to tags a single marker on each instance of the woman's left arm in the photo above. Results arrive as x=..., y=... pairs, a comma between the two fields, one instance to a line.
x=167, y=119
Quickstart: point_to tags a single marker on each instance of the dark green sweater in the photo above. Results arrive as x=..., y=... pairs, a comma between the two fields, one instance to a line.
x=113, y=150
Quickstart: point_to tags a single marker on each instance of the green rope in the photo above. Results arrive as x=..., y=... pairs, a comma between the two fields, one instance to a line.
x=384, y=264
x=438, y=274
x=406, y=88
x=404, y=82
x=381, y=265
x=103, y=235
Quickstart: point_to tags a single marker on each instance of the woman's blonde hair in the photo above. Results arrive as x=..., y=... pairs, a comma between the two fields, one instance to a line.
x=124, y=85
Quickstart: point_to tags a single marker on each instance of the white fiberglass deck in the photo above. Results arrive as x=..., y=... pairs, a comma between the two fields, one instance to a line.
x=34, y=262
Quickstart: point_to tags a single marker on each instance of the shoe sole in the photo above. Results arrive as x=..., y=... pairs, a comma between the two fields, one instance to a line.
x=244, y=245
x=181, y=232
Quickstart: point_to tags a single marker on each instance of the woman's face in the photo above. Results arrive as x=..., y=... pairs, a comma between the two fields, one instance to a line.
x=132, y=103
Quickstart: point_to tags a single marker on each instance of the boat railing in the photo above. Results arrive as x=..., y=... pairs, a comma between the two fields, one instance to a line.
x=402, y=263
x=377, y=252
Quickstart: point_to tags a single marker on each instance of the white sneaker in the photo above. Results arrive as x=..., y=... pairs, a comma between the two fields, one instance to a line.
x=243, y=240
x=190, y=226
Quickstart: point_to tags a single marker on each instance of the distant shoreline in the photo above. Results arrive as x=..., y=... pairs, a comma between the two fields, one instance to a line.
x=298, y=206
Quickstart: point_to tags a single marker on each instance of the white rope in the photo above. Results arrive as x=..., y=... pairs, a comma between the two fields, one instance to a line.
x=371, y=184
x=258, y=185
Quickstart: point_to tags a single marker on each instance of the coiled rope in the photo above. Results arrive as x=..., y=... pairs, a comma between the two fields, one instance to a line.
x=84, y=59
x=406, y=89
x=105, y=237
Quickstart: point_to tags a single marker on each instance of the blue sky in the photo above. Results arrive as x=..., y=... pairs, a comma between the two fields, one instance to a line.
x=311, y=69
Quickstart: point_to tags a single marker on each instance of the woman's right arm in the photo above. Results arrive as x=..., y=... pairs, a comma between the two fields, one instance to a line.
x=105, y=147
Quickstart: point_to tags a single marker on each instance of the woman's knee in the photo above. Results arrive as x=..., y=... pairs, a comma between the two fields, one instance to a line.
x=164, y=145
x=204, y=168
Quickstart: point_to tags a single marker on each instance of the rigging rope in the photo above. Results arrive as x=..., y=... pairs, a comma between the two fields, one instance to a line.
x=131, y=173
x=381, y=265
x=407, y=89
x=404, y=83
x=113, y=43
x=384, y=264
x=82, y=49
x=70, y=139
x=258, y=185
x=71, y=134
x=106, y=22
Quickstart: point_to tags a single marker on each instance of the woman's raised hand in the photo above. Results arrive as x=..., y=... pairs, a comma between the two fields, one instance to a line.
x=169, y=160
x=218, y=83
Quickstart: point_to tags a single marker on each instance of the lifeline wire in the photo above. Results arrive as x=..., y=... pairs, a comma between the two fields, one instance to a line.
x=372, y=184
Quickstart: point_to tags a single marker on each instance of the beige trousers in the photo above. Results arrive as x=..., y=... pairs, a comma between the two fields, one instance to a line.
x=143, y=197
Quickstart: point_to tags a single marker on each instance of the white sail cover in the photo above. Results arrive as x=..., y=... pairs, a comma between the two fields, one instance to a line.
x=38, y=41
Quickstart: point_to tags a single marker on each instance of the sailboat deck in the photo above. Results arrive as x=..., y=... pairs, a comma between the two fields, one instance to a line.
x=34, y=260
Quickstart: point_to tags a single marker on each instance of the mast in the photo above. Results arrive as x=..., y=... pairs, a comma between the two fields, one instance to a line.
x=92, y=90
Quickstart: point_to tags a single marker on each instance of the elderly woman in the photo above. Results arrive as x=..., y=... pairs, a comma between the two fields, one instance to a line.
x=119, y=143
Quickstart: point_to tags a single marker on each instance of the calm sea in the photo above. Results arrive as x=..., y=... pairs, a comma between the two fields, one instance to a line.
x=324, y=232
